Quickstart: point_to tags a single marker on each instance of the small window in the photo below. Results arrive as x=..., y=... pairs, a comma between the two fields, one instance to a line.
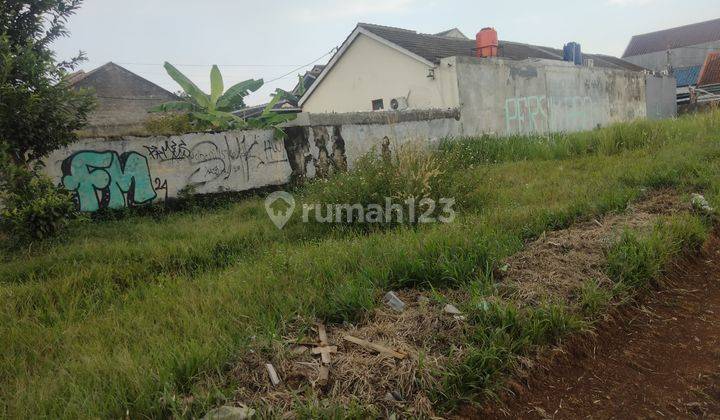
x=378, y=105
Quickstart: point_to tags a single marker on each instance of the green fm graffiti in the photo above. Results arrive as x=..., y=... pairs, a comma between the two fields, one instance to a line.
x=108, y=180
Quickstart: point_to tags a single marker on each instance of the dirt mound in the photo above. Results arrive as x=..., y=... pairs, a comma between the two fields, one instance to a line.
x=558, y=263
x=658, y=359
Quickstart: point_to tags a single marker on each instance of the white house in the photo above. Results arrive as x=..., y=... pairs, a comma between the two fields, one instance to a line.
x=384, y=68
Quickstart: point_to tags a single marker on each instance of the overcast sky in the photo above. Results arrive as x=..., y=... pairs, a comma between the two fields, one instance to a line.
x=256, y=39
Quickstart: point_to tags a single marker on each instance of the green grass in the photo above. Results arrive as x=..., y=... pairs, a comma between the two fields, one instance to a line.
x=126, y=316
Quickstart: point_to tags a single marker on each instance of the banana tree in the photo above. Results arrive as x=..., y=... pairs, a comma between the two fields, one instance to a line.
x=271, y=119
x=216, y=108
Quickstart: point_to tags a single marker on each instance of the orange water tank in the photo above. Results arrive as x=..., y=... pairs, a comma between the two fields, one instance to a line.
x=487, y=43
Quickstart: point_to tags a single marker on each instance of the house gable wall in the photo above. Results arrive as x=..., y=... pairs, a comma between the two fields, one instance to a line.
x=123, y=100
x=370, y=70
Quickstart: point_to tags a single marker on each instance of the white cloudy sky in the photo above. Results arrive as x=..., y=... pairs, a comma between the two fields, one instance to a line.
x=254, y=39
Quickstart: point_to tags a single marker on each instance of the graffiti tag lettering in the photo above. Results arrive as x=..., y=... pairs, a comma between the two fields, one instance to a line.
x=119, y=180
x=169, y=150
x=539, y=114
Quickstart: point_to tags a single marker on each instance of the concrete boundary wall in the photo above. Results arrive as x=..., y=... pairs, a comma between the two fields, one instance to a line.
x=527, y=97
x=543, y=96
x=132, y=171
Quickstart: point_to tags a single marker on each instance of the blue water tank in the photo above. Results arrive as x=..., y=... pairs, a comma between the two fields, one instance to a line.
x=573, y=53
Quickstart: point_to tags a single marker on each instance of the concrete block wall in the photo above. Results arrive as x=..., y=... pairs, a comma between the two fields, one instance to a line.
x=506, y=97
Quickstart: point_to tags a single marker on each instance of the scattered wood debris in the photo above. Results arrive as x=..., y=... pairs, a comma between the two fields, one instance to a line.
x=322, y=332
x=274, y=378
x=325, y=352
x=376, y=347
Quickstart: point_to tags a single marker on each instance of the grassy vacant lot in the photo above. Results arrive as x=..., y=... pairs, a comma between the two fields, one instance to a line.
x=127, y=316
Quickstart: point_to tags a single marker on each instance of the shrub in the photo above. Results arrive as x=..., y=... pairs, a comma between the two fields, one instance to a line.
x=172, y=124
x=411, y=173
x=32, y=207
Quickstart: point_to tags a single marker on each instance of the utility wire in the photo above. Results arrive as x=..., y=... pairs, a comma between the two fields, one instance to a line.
x=302, y=67
x=266, y=83
x=208, y=65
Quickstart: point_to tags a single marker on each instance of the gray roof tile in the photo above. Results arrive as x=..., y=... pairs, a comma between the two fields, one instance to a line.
x=434, y=48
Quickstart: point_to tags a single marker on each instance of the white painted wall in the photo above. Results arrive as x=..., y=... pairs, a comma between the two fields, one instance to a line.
x=371, y=70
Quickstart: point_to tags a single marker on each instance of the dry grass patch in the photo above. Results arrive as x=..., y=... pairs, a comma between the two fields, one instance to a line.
x=558, y=264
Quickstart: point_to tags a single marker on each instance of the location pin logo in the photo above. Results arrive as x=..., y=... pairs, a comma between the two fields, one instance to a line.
x=280, y=206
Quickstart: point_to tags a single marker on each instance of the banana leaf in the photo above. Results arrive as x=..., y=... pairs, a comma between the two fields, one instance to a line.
x=233, y=97
x=216, y=86
x=200, y=97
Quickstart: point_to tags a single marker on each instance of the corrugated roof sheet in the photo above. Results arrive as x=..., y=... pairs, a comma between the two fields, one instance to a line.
x=681, y=36
x=710, y=73
x=687, y=76
x=434, y=48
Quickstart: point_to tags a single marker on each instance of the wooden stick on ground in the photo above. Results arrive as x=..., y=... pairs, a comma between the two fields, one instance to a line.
x=274, y=378
x=325, y=352
x=376, y=347
x=323, y=335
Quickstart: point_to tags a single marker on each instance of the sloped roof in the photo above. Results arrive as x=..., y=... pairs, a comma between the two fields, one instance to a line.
x=86, y=78
x=687, y=76
x=435, y=47
x=710, y=73
x=682, y=36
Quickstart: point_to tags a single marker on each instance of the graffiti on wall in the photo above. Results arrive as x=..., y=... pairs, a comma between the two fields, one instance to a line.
x=108, y=179
x=168, y=150
x=540, y=114
x=239, y=155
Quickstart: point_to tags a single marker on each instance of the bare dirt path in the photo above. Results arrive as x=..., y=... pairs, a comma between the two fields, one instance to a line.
x=658, y=359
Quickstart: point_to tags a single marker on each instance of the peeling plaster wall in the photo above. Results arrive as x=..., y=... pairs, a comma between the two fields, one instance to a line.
x=321, y=144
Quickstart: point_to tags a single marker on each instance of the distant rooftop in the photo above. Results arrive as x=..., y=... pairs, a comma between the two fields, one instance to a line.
x=710, y=73
x=682, y=36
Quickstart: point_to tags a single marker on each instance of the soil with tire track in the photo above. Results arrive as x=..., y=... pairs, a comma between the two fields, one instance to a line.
x=659, y=358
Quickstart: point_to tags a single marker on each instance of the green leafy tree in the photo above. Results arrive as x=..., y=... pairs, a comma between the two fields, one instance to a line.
x=216, y=108
x=39, y=111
